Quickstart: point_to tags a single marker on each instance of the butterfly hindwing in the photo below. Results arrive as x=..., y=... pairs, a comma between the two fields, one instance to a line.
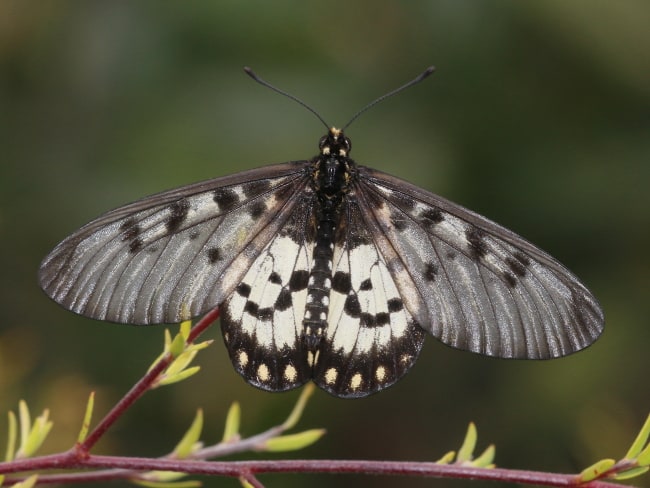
x=371, y=340
x=163, y=259
x=484, y=288
x=262, y=320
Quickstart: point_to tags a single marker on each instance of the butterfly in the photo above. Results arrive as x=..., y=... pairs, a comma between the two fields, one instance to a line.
x=324, y=270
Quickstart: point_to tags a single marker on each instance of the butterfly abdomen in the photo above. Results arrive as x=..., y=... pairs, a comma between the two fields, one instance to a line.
x=329, y=181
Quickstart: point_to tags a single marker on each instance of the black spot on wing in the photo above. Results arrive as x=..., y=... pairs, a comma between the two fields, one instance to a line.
x=516, y=266
x=214, y=254
x=511, y=281
x=275, y=278
x=476, y=240
x=131, y=232
x=265, y=314
x=430, y=218
x=395, y=305
x=352, y=306
x=257, y=210
x=130, y=229
x=366, y=285
x=430, y=271
x=398, y=222
x=284, y=300
x=341, y=282
x=255, y=188
x=298, y=280
x=251, y=308
x=243, y=289
x=136, y=245
x=178, y=214
x=226, y=199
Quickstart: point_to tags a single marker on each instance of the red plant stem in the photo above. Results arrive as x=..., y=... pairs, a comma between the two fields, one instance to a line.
x=141, y=387
x=248, y=469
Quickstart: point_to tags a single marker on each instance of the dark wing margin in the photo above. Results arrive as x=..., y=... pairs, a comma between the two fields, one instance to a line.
x=481, y=287
x=174, y=255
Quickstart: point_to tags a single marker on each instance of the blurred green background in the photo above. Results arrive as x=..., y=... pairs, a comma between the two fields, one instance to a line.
x=538, y=117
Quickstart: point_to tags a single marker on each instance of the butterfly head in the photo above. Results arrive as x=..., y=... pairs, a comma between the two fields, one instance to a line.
x=335, y=143
x=332, y=167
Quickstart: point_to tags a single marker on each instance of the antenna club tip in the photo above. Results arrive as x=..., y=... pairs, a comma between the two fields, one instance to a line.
x=428, y=71
x=250, y=72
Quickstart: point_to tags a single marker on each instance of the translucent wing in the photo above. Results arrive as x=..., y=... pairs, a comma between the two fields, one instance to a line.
x=472, y=283
x=174, y=255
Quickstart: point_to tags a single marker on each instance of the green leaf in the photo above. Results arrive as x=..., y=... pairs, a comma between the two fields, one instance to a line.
x=85, y=426
x=185, y=328
x=231, y=429
x=177, y=346
x=12, y=435
x=293, y=442
x=175, y=378
x=167, y=484
x=447, y=458
x=245, y=483
x=644, y=456
x=640, y=441
x=486, y=458
x=32, y=436
x=296, y=413
x=188, y=444
x=631, y=473
x=466, y=450
x=596, y=470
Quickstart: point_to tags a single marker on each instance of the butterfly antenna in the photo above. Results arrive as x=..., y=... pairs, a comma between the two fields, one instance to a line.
x=415, y=81
x=252, y=74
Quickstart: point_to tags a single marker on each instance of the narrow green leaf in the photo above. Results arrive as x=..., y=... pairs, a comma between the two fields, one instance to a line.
x=644, y=456
x=231, y=429
x=12, y=436
x=25, y=422
x=37, y=434
x=85, y=426
x=447, y=458
x=640, y=441
x=466, y=450
x=293, y=442
x=186, y=327
x=631, y=473
x=175, y=378
x=187, y=444
x=596, y=470
x=167, y=484
x=296, y=413
x=245, y=483
x=486, y=458
x=2, y=478
x=177, y=345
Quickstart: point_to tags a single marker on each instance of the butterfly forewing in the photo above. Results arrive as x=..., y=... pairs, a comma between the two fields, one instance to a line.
x=174, y=255
x=484, y=288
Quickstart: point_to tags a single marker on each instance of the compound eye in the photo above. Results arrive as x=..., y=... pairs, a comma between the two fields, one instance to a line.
x=322, y=142
x=348, y=144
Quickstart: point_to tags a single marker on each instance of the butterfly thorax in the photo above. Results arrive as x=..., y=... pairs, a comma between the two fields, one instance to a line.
x=331, y=175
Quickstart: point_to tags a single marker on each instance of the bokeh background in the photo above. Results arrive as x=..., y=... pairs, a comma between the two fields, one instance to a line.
x=537, y=117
